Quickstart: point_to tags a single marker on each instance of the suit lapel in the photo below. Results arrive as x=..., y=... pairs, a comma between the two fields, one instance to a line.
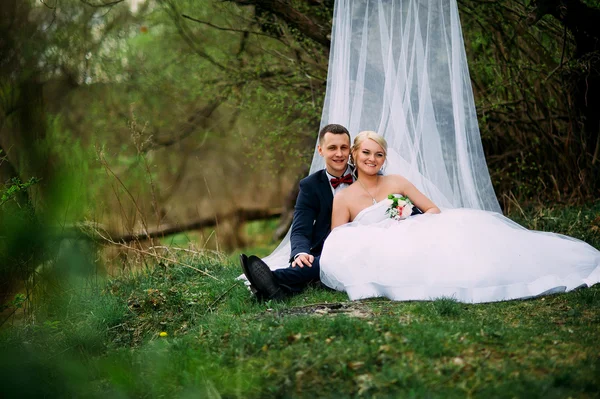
x=325, y=189
x=323, y=221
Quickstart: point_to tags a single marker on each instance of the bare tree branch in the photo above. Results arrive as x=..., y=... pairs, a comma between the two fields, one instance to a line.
x=100, y=5
x=197, y=119
x=284, y=10
x=49, y=6
x=226, y=29
x=98, y=233
x=187, y=36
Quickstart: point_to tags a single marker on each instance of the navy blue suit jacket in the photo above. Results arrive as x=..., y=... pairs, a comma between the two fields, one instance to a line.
x=312, y=215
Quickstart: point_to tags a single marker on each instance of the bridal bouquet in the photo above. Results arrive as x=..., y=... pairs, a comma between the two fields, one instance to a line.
x=401, y=207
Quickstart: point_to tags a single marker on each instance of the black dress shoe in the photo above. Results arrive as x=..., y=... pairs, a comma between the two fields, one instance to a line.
x=263, y=279
x=244, y=263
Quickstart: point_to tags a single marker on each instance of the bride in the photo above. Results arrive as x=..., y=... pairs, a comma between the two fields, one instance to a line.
x=467, y=254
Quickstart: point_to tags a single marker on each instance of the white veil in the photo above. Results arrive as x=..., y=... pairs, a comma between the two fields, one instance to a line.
x=399, y=67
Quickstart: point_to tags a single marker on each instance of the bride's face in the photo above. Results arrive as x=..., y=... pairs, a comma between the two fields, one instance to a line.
x=369, y=157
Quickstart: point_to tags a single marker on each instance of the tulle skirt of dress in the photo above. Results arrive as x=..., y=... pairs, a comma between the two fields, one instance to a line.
x=470, y=255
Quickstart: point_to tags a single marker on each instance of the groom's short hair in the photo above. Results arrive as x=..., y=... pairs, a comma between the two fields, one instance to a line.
x=335, y=129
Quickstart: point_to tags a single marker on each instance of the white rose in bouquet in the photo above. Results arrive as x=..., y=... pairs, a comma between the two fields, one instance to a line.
x=401, y=207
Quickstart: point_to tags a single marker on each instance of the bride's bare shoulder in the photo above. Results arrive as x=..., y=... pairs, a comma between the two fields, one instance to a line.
x=395, y=179
x=396, y=184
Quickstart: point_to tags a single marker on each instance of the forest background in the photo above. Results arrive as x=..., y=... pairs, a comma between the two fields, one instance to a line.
x=146, y=115
x=127, y=121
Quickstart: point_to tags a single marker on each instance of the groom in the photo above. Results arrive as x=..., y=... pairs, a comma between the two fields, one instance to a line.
x=311, y=223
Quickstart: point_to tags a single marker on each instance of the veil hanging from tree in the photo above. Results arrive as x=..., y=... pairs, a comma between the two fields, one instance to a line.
x=399, y=67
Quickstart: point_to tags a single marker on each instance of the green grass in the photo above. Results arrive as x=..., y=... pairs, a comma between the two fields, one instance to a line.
x=104, y=340
x=578, y=222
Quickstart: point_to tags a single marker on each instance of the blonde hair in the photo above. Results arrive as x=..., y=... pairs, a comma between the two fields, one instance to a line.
x=366, y=135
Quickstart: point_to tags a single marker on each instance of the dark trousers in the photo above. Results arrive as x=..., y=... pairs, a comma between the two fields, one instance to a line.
x=295, y=279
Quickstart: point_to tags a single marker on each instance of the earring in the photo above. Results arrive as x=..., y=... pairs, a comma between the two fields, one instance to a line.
x=382, y=169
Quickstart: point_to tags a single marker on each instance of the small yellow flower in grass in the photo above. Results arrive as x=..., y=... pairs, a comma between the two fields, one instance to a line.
x=163, y=334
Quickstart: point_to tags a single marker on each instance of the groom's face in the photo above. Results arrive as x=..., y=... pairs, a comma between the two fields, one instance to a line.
x=335, y=148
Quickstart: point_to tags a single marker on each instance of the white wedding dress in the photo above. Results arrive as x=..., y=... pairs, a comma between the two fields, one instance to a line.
x=470, y=255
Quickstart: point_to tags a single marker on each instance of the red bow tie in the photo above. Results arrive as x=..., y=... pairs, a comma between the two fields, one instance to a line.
x=336, y=181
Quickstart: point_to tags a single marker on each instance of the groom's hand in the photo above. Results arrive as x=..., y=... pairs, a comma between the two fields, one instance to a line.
x=303, y=260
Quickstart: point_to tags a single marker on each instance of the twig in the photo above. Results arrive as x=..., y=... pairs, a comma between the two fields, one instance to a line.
x=595, y=157
x=216, y=218
x=562, y=56
x=107, y=167
x=158, y=256
x=188, y=37
x=209, y=309
x=60, y=353
x=137, y=136
x=117, y=326
x=516, y=203
x=187, y=250
x=209, y=236
x=8, y=317
x=324, y=304
x=49, y=6
x=110, y=3
x=225, y=29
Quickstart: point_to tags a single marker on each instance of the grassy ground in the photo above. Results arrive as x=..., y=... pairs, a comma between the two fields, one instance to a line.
x=172, y=330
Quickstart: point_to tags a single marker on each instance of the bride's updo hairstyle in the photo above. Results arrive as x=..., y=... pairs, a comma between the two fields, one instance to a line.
x=366, y=135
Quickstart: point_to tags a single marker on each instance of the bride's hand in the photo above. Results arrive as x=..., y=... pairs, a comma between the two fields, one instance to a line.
x=303, y=260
